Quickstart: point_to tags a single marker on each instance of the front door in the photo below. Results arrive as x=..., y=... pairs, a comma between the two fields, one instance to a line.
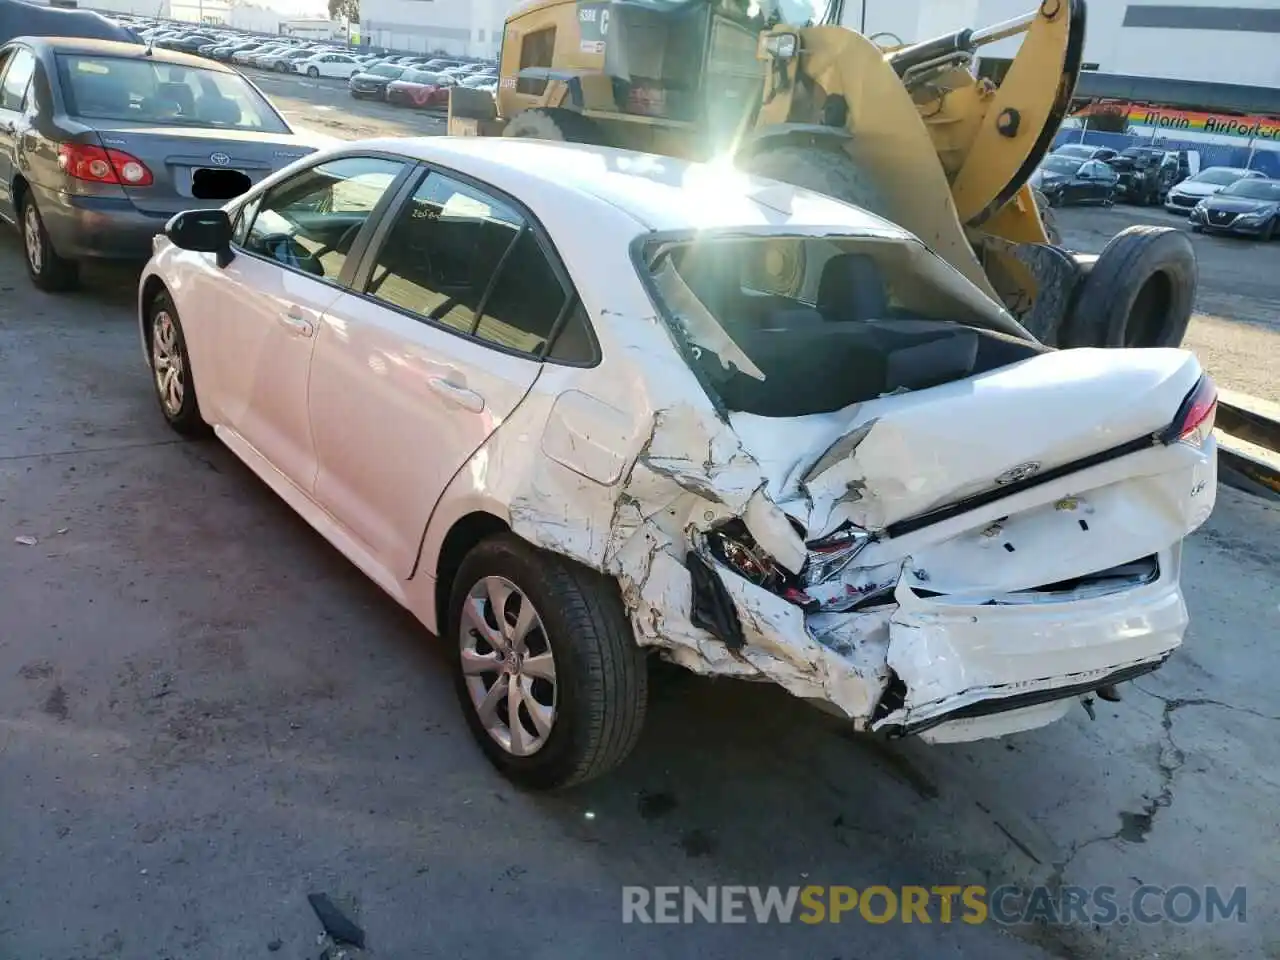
x=416, y=370
x=292, y=263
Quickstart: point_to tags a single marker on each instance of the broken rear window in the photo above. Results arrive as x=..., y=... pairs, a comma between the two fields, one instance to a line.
x=785, y=326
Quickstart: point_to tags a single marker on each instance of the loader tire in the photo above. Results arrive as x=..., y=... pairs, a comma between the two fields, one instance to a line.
x=821, y=170
x=553, y=123
x=1139, y=293
x=1047, y=217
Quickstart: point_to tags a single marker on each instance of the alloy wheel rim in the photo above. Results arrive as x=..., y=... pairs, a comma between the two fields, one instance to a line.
x=35, y=250
x=166, y=360
x=508, y=666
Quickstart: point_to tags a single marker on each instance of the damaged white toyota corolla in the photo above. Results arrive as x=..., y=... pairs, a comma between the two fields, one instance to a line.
x=571, y=405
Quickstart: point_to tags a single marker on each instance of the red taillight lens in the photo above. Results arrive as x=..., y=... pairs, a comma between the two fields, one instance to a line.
x=87, y=162
x=1194, y=421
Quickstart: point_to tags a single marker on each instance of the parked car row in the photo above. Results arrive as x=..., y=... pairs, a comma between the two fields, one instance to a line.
x=1139, y=175
x=405, y=82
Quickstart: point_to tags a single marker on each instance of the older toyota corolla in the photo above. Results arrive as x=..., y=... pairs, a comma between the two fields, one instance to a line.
x=570, y=405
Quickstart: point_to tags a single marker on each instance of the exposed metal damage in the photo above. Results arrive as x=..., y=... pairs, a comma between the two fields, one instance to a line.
x=768, y=548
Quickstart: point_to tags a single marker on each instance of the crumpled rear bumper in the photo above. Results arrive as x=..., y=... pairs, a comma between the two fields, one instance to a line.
x=959, y=662
x=952, y=671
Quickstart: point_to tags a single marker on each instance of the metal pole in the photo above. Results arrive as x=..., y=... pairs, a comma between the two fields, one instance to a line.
x=862, y=26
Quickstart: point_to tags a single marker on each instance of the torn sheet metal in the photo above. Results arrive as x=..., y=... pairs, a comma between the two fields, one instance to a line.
x=838, y=614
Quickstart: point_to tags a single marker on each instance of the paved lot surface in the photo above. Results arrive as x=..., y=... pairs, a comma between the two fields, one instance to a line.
x=206, y=714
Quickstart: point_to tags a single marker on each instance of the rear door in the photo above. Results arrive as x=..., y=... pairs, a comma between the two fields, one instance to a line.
x=17, y=63
x=414, y=369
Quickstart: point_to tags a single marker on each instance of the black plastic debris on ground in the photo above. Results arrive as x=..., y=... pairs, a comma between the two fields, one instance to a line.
x=336, y=923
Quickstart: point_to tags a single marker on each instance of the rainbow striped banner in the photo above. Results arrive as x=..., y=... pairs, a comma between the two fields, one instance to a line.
x=1200, y=121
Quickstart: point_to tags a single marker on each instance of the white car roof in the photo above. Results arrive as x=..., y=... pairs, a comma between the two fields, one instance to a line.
x=659, y=193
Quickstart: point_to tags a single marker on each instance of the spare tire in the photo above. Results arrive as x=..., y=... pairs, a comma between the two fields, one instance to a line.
x=553, y=123
x=1139, y=293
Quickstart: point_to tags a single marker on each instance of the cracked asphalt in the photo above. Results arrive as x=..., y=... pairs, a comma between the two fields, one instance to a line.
x=206, y=714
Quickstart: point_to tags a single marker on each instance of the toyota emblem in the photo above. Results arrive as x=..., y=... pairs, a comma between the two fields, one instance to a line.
x=221, y=159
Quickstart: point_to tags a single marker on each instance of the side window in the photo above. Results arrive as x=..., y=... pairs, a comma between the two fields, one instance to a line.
x=240, y=231
x=463, y=258
x=440, y=257
x=536, y=51
x=526, y=300
x=16, y=78
x=310, y=221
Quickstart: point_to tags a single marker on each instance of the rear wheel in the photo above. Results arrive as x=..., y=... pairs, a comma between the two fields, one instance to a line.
x=1140, y=292
x=827, y=171
x=553, y=123
x=552, y=682
x=1047, y=217
x=47, y=270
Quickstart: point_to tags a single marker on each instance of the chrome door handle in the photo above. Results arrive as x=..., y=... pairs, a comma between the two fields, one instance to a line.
x=466, y=399
x=297, y=323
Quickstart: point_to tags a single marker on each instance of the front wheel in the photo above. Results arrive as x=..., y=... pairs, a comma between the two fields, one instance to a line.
x=312, y=72
x=47, y=270
x=552, y=682
x=1269, y=232
x=171, y=368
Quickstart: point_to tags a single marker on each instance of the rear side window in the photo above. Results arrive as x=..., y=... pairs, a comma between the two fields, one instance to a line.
x=21, y=65
x=463, y=258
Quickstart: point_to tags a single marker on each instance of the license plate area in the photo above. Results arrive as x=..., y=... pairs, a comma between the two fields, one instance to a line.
x=218, y=183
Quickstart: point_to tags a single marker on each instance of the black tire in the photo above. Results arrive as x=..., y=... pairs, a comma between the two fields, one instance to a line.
x=821, y=169
x=1047, y=217
x=1140, y=292
x=601, y=685
x=48, y=271
x=1269, y=233
x=185, y=418
x=553, y=123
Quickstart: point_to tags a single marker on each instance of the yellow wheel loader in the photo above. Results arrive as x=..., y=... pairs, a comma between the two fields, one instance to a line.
x=910, y=132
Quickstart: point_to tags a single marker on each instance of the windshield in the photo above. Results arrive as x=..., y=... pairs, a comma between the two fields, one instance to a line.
x=386, y=70
x=149, y=91
x=1219, y=176
x=782, y=326
x=1061, y=164
x=423, y=77
x=1254, y=190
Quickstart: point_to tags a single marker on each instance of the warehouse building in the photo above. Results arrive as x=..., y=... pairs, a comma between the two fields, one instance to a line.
x=459, y=27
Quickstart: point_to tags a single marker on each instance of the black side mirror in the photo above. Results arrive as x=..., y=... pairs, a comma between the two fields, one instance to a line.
x=202, y=231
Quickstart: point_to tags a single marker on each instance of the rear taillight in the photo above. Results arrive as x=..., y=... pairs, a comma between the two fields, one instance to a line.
x=1194, y=421
x=87, y=162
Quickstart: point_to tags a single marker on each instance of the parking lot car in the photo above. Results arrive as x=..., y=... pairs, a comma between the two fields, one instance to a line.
x=329, y=65
x=1248, y=207
x=753, y=429
x=420, y=89
x=1066, y=180
x=1147, y=174
x=1184, y=197
x=103, y=142
x=371, y=82
x=1084, y=151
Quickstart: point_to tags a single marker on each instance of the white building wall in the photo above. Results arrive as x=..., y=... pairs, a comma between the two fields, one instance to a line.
x=459, y=27
x=1223, y=41
x=255, y=19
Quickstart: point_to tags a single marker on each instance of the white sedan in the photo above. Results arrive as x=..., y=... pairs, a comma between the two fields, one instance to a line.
x=570, y=405
x=329, y=65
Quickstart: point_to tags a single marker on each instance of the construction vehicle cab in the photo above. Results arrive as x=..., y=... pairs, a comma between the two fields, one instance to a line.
x=910, y=133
